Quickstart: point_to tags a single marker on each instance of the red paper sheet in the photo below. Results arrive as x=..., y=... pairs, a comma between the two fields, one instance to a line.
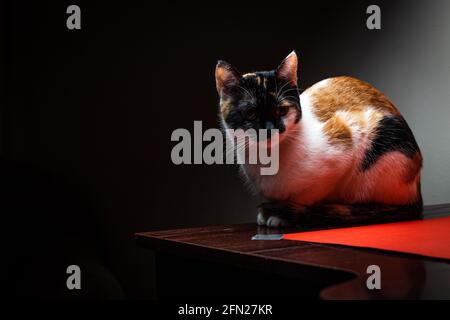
x=424, y=237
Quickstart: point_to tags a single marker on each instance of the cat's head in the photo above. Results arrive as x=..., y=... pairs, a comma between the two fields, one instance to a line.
x=260, y=100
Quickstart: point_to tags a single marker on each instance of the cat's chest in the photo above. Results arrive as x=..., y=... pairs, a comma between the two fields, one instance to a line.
x=270, y=186
x=286, y=182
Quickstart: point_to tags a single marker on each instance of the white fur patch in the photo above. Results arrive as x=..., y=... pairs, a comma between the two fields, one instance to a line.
x=321, y=84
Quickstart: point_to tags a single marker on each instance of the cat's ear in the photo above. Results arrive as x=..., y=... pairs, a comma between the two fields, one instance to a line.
x=287, y=70
x=226, y=76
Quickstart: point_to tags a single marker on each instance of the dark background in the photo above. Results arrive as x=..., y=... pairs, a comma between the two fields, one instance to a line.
x=87, y=116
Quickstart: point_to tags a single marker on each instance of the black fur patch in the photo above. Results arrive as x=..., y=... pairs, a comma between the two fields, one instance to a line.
x=392, y=134
x=341, y=215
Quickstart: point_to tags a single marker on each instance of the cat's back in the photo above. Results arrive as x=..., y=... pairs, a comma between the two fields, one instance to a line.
x=349, y=95
x=356, y=121
x=349, y=112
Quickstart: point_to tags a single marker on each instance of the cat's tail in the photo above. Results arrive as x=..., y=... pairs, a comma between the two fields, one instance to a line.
x=354, y=214
x=357, y=214
x=276, y=214
x=336, y=215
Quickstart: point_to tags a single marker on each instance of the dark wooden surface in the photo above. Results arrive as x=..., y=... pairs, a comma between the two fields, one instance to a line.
x=226, y=260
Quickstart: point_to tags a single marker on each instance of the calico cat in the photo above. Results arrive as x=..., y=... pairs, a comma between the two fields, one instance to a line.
x=346, y=154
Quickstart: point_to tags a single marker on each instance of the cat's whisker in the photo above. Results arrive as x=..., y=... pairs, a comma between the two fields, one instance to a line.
x=286, y=98
x=281, y=89
x=246, y=91
x=286, y=91
x=291, y=89
x=283, y=95
x=276, y=88
x=240, y=144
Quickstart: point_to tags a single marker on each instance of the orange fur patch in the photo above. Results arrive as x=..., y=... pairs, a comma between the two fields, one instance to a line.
x=341, y=210
x=348, y=94
x=338, y=132
x=253, y=75
x=220, y=78
x=225, y=108
x=285, y=103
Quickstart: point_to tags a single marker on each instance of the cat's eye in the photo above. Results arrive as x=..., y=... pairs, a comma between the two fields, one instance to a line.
x=283, y=110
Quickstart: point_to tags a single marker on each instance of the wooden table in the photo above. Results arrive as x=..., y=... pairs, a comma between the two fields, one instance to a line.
x=223, y=262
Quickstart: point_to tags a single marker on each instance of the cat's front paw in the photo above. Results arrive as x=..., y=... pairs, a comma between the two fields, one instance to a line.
x=270, y=219
x=261, y=219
